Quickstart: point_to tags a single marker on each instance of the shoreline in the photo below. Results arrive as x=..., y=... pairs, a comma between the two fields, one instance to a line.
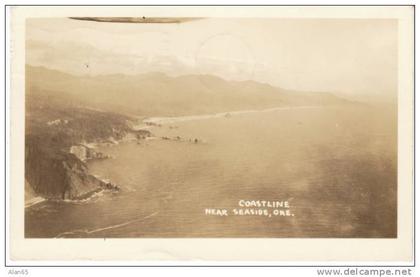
x=86, y=152
x=138, y=132
x=34, y=201
x=150, y=121
x=105, y=185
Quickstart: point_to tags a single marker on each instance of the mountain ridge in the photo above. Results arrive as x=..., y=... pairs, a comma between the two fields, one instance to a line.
x=157, y=94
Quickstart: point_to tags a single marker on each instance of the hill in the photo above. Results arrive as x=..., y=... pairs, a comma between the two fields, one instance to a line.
x=156, y=94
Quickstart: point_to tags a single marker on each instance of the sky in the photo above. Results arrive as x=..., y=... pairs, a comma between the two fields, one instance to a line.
x=343, y=56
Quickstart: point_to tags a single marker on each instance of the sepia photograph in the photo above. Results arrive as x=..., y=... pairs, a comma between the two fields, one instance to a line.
x=210, y=127
x=198, y=134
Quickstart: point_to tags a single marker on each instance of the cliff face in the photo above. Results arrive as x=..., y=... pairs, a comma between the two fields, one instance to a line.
x=55, y=155
x=59, y=176
x=85, y=153
x=78, y=183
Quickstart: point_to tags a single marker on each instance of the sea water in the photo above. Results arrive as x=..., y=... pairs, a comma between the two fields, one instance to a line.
x=335, y=167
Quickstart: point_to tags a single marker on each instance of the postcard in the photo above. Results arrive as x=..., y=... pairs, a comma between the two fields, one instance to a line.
x=211, y=133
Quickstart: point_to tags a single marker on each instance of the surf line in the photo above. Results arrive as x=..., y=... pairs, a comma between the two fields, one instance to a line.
x=169, y=120
x=106, y=228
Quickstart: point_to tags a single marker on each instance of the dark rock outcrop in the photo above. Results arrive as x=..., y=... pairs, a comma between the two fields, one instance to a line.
x=55, y=155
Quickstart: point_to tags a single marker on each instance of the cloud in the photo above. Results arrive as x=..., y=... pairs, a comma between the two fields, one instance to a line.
x=352, y=56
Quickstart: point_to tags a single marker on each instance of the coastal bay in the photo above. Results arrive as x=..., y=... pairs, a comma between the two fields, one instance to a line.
x=338, y=180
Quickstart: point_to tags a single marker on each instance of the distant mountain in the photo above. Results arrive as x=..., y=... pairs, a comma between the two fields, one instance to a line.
x=156, y=94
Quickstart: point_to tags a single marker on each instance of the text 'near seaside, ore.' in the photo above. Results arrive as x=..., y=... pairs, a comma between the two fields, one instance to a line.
x=253, y=208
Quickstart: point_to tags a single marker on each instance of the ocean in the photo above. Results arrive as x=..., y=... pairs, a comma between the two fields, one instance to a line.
x=308, y=172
